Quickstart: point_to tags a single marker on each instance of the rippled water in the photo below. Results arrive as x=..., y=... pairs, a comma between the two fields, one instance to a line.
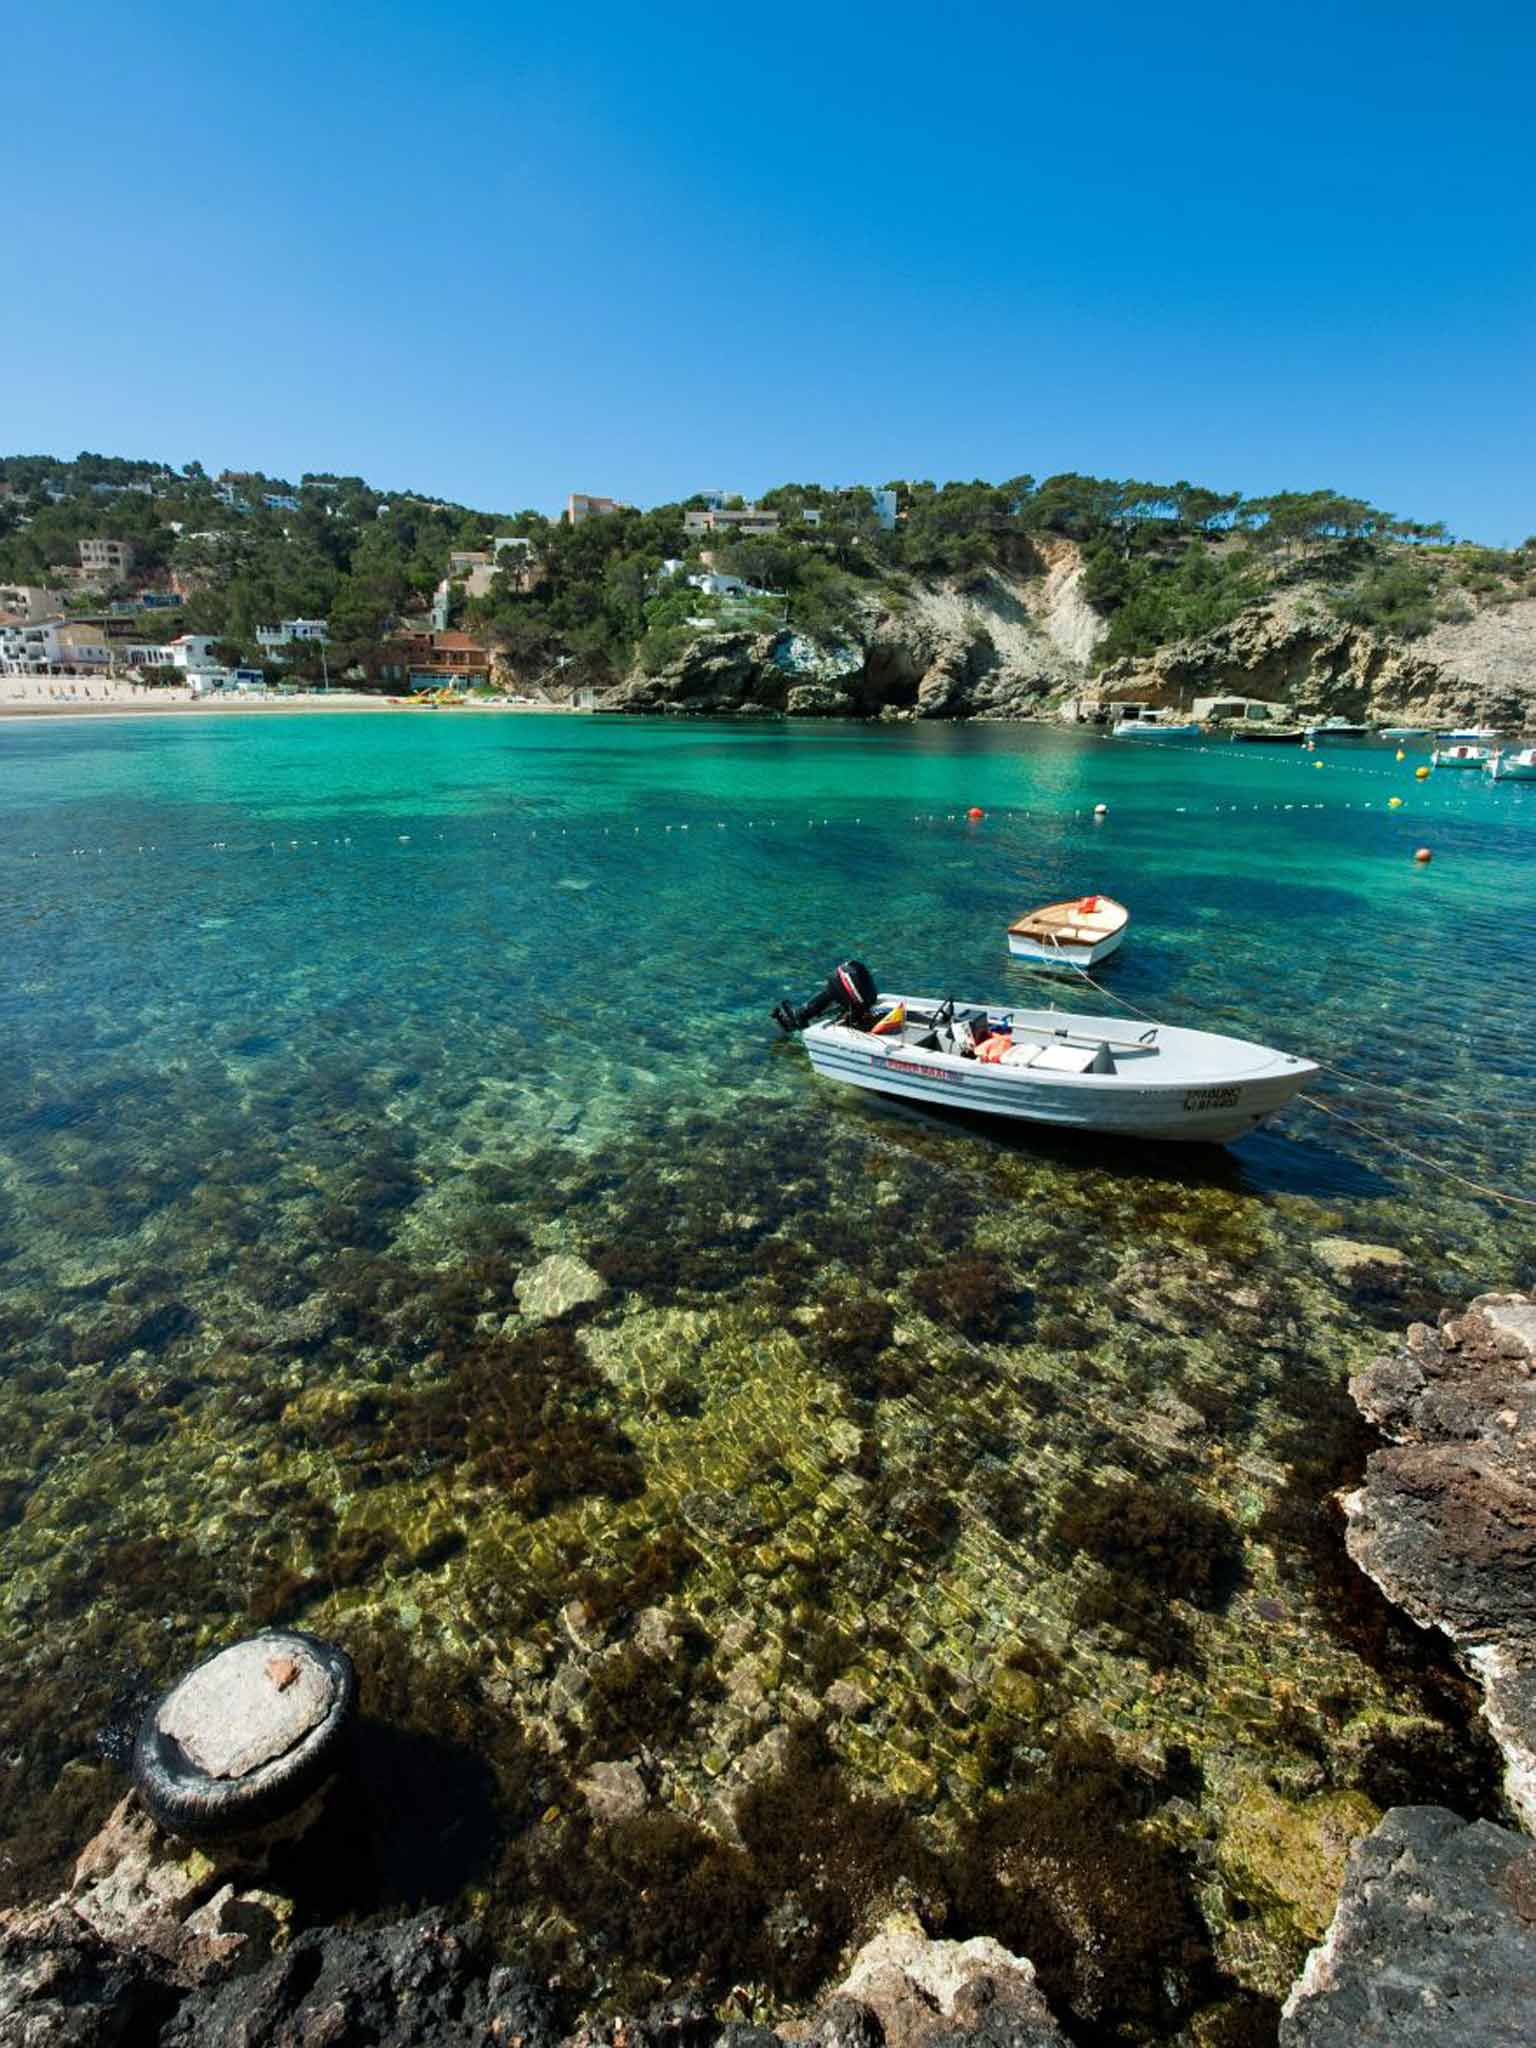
x=926, y=1514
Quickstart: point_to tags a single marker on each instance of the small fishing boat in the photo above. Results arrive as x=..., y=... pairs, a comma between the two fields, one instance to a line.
x=1155, y=729
x=1069, y=934
x=1516, y=764
x=1405, y=732
x=1261, y=729
x=1077, y=1073
x=1471, y=736
x=1336, y=729
x=1460, y=757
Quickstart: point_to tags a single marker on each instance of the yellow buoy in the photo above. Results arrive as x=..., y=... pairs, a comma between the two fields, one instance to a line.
x=1317, y=764
x=1419, y=774
x=1394, y=803
x=1401, y=755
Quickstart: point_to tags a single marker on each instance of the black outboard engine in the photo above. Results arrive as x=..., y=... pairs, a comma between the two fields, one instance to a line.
x=850, y=988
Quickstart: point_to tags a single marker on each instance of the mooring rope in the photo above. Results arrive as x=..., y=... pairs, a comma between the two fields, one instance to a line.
x=1477, y=1187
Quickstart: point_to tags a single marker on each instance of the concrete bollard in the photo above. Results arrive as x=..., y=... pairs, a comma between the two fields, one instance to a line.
x=246, y=1736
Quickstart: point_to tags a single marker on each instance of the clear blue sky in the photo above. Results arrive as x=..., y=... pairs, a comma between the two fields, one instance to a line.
x=499, y=253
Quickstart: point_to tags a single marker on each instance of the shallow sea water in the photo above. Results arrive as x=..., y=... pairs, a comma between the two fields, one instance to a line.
x=927, y=1515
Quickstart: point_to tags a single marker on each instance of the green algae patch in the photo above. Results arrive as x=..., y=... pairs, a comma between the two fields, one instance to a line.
x=1292, y=1854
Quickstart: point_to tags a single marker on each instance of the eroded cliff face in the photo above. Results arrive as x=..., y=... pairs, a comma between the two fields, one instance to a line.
x=1481, y=670
x=1004, y=644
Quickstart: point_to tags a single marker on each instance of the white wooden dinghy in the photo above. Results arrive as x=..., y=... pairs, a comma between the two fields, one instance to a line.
x=1517, y=764
x=1462, y=756
x=1069, y=934
x=1072, y=1072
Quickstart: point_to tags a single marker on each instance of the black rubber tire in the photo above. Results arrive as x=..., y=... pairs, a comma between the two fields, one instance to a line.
x=186, y=1801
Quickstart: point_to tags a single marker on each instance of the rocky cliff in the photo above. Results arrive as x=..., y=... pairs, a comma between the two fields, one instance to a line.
x=1021, y=641
x=1482, y=669
x=1007, y=643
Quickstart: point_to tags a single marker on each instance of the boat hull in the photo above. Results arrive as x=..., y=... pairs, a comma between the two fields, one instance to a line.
x=1065, y=956
x=1145, y=729
x=1473, y=759
x=1188, y=1106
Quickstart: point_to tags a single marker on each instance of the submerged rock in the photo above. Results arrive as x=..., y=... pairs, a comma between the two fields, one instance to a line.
x=1445, y=1522
x=1433, y=1944
x=556, y=1285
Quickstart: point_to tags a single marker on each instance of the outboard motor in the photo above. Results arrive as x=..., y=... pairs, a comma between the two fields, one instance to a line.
x=850, y=989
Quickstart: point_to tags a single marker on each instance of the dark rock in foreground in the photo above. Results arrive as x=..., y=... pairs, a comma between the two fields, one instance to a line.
x=419, y=1983
x=1433, y=1944
x=1445, y=1522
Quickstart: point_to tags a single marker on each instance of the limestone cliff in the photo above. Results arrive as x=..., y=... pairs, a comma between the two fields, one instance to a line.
x=1479, y=670
x=1004, y=643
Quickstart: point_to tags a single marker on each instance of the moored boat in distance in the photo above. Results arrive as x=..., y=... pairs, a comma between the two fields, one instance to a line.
x=1155, y=729
x=1471, y=735
x=1096, y=1075
x=1336, y=728
x=1260, y=729
x=1513, y=764
x=1405, y=732
x=1463, y=756
x=1069, y=934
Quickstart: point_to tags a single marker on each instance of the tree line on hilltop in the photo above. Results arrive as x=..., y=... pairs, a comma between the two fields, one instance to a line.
x=1162, y=561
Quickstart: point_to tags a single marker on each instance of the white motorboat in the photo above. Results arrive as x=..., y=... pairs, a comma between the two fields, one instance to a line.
x=1516, y=764
x=1155, y=729
x=1471, y=735
x=1336, y=729
x=1070, y=1072
x=1069, y=934
x=1405, y=732
x=1463, y=756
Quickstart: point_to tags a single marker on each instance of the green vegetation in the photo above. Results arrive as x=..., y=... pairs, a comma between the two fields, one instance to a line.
x=1164, y=562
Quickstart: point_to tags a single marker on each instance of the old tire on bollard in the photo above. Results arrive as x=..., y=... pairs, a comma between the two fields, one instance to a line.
x=246, y=1735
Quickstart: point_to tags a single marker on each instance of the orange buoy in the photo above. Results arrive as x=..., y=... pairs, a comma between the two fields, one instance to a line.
x=975, y=811
x=1423, y=856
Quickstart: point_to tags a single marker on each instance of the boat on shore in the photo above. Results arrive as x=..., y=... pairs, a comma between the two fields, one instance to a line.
x=1071, y=935
x=1096, y=1075
x=1463, y=756
x=1513, y=764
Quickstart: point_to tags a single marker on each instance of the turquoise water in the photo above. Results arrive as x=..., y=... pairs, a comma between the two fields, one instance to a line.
x=942, y=1471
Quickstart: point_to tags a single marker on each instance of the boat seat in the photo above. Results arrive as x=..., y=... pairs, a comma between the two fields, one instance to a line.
x=1062, y=1059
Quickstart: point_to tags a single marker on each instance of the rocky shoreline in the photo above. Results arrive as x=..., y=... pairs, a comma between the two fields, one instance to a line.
x=1432, y=1939
x=1019, y=644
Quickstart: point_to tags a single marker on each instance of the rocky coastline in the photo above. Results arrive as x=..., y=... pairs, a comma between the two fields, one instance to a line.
x=1019, y=643
x=1432, y=1939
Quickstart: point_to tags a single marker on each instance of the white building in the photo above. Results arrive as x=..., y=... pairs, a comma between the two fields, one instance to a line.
x=110, y=559
x=715, y=585
x=273, y=639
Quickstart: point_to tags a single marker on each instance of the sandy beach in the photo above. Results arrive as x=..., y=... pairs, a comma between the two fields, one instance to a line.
x=37, y=697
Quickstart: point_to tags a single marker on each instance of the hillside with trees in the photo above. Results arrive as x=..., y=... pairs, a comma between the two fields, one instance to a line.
x=1160, y=562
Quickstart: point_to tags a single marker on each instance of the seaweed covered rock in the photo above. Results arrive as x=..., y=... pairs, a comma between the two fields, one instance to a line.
x=1433, y=1944
x=1445, y=1522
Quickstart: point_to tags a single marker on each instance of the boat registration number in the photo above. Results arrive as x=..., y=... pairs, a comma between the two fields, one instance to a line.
x=911, y=1067
x=1211, y=1098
